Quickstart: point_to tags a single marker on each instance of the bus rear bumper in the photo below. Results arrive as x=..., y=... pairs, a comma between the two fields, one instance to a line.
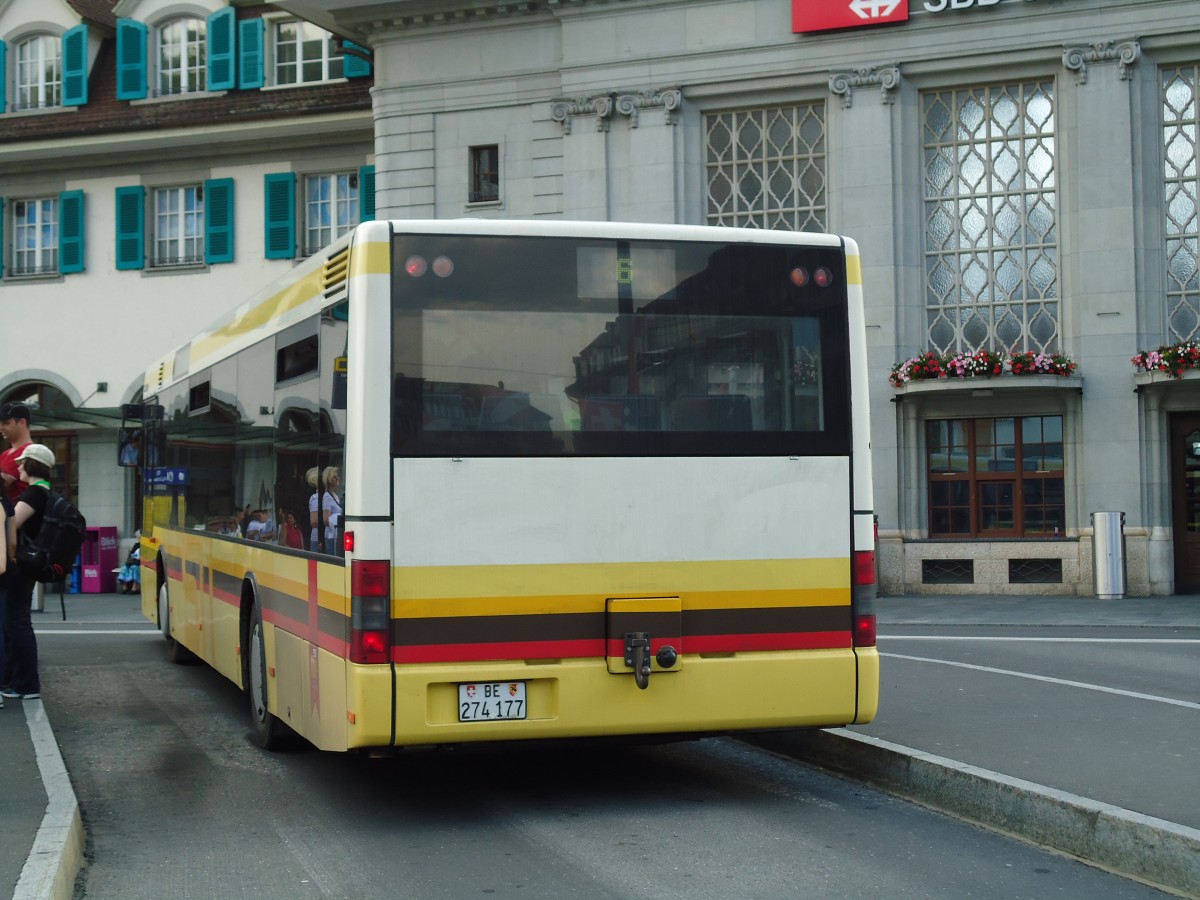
x=581, y=698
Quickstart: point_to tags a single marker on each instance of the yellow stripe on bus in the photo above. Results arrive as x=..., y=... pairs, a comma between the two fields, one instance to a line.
x=371, y=258
x=853, y=270
x=465, y=607
x=718, y=577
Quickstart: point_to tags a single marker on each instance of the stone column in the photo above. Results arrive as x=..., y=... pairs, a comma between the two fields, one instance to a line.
x=1098, y=280
x=585, y=124
x=864, y=180
x=404, y=159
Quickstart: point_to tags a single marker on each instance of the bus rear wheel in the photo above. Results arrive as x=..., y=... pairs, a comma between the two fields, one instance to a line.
x=266, y=729
x=176, y=652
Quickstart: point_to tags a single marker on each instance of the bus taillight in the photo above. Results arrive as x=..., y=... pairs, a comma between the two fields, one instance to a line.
x=370, y=611
x=864, y=598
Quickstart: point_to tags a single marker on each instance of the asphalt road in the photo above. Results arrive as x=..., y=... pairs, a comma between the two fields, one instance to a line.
x=1110, y=713
x=177, y=803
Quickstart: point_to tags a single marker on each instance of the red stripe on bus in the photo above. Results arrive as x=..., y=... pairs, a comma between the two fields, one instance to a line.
x=801, y=640
x=581, y=649
x=298, y=629
x=226, y=597
x=427, y=653
x=714, y=643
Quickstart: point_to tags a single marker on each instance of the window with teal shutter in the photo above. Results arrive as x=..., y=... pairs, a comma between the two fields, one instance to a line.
x=280, y=206
x=75, y=66
x=131, y=59
x=3, y=80
x=354, y=66
x=218, y=220
x=250, y=53
x=366, y=194
x=71, y=257
x=131, y=230
x=222, y=58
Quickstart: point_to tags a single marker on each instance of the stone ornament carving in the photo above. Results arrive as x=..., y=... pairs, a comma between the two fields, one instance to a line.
x=564, y=109
x=1124, y=54
x=667, y=100
x=887, y=79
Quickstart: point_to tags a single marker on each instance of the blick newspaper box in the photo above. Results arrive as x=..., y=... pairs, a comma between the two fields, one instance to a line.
x=98, y=559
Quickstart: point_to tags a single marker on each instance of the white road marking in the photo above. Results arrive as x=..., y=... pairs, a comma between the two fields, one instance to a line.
x=149, y=631
x=1037, y=640
x=1079, y=684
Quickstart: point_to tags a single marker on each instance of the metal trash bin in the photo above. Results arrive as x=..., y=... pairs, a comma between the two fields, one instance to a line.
x=1108, y=555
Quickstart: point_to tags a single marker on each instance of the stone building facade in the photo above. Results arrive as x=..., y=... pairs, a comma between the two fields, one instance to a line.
x=1020, y=175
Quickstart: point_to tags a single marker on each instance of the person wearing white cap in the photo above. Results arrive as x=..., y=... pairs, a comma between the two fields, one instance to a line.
x=35, y=464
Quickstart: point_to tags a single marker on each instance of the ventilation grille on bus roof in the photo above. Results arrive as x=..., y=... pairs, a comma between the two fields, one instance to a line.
x=335, y=273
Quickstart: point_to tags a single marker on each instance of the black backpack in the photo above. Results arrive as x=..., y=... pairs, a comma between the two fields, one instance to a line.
x=50, y=556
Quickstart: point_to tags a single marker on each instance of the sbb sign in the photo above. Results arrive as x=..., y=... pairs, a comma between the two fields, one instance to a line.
x=825, y=15
x=940, y=5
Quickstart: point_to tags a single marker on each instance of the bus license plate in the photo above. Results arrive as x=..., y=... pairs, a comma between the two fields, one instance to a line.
x=490, y=701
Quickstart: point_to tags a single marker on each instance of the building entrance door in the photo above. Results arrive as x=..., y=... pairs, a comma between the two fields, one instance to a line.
x=1185, y=500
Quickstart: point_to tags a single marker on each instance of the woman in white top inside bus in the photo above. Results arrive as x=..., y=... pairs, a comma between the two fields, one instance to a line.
x=331, y=507
x=314, y=509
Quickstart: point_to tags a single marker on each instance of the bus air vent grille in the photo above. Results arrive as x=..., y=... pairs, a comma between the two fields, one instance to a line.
x=337, y=269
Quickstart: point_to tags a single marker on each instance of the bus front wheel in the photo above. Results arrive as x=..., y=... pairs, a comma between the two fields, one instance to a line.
x=265, y=727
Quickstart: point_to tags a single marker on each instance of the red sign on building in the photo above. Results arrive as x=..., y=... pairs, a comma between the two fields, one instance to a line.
x=824, y=15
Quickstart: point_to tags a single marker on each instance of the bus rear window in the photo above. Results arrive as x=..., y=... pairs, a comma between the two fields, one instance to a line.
x=516, y=346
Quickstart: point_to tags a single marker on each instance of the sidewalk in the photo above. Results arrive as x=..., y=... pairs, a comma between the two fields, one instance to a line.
x=42, y=849
x=39, y=816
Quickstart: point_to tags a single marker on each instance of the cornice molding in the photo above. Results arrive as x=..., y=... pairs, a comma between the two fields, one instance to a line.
x=886, y=78
x=1124, y=54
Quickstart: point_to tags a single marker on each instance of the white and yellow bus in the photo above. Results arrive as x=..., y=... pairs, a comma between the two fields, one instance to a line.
x=520, y=480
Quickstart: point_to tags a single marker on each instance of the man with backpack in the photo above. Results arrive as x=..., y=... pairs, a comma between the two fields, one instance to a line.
x=34, y=464
x=15, y=419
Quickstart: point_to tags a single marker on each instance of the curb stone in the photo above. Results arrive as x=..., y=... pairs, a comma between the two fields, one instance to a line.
x=57, y=854
x=1150, y=850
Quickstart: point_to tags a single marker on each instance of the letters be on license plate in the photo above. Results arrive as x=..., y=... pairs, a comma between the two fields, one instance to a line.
x=489, y=701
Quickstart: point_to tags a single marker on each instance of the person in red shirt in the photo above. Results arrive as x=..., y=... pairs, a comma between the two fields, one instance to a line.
x=15, y=420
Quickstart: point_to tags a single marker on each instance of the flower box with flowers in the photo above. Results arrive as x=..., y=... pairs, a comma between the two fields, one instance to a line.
x=1030, y=363
x=1172, y=360
x=982, y=364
